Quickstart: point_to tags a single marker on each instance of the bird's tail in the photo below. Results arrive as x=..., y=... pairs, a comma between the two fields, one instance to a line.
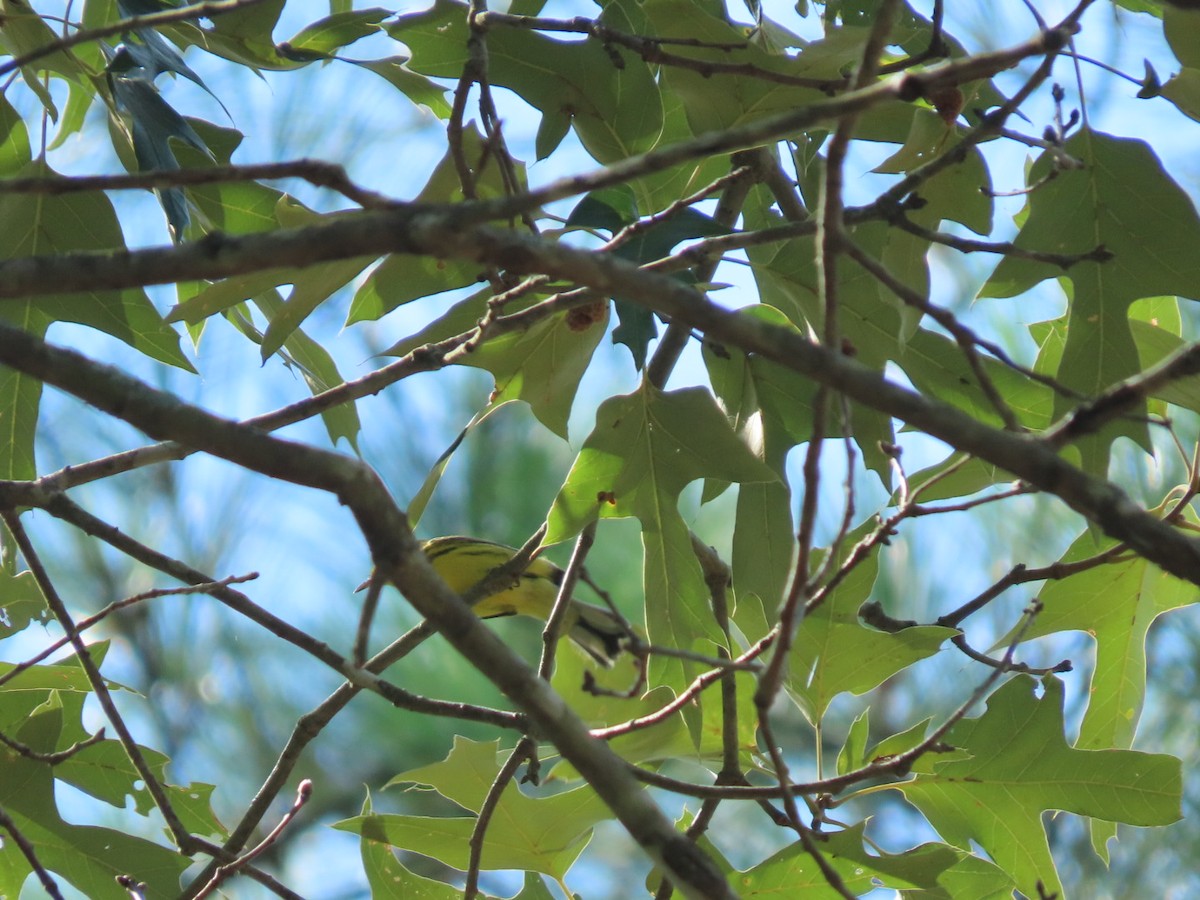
x=599, y=633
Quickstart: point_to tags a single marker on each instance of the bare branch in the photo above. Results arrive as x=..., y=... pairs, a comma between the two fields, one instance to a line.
x=314, y=171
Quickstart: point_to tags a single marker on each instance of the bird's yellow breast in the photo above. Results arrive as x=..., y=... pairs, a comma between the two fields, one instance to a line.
x=463, y=562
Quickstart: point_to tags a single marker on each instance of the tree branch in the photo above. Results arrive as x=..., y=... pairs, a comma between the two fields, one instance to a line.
x=398, y=556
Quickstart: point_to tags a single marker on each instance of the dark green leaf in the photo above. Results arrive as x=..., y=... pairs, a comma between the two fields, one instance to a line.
x=154, y=123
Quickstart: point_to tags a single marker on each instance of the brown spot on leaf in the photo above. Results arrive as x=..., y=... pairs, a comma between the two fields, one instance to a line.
x=948, y=102
x=581, y=318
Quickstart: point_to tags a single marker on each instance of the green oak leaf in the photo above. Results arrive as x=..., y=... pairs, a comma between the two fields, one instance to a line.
x=1124, y=200
x=1019, y=766
x=42, y=708
x=244, y=35
x=320, y=39
x=235, y=207
x=1155, y=324
x=770, y=407
x=544, y=834
x=1116, y=604
x=38, y=224
x=936, y=366
x=309, y=289
x=643, y=451
x=646, y=447
x=667, y=739
x=970, y=878
x=42, y=224
x=542, y=364
x=1183, y=89
x=613, y=102
x=681, y=735
x=958, y=193
x=854, y=747
x=833, y=652
x=15, y=152
x=1181, y=28
x=390, y=879
x=420, y=90
x=615, y=208
x=534, y=888
x=715, y=102
x=318, y=369
x=793, y=871
x=24, y=32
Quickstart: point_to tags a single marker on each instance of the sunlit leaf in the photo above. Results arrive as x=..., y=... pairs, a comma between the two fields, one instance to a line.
x=1124, y=200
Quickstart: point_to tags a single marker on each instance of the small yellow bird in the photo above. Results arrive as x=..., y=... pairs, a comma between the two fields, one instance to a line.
x=464, y=561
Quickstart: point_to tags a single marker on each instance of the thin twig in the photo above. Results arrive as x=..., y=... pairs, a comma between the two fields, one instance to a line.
x=633, y=229
x=834, y=551
x=937, y=48
x=179, y=833
x=963, y=335
x=49, y=885
x=716, y=662
x=650, y=50
x=1122, y=397
x=678, y=333
x=1062, y=159
x=525, y=748
x=909, y=507
x=223, y=872
x=316, y=172
x=960, y=642
x=50, y=759
x=362, y=639
x=84, y=624
x=1022, y=574
x=562, y=602
x=698, y=685
x=1098, y=254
